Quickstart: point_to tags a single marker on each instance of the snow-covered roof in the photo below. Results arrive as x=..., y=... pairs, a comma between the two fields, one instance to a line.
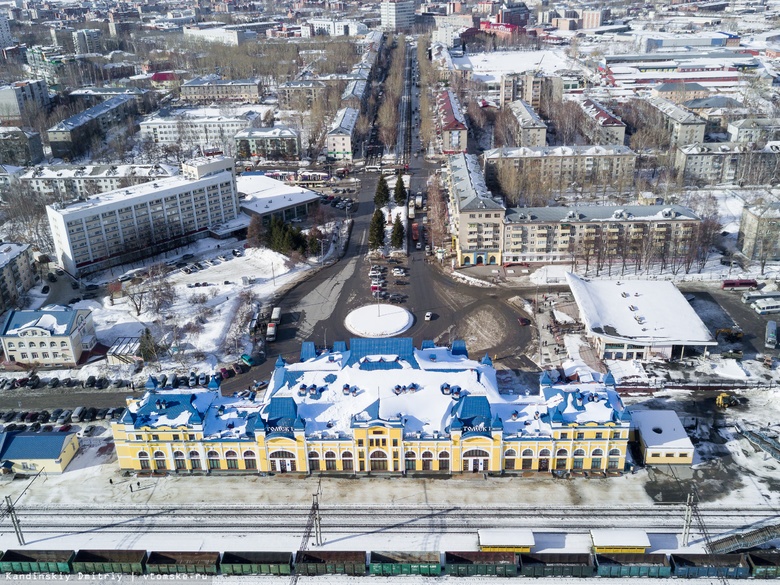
x=489, y=67
x=57, y=320
x=575, y=150
x=506, y=537
x=468, y=184
x=629, y=537
x=9, y=251
x=266, y=195
x=99, y=171
x=638, y=312
x=344, y=122
x=661, y=429
x=601, y=213
x=270, y=132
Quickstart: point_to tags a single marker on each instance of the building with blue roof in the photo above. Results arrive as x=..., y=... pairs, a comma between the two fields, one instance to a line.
x=382, y=406
x=30, y=453
x=53, y=336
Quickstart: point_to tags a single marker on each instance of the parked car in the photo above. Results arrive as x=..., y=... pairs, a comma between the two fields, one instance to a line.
x=55, y=414
x=237, y=368
x=101, y=383
x=20, y=382
x=35, y=427
x=118, y=383
x=51, y=278
x=64, y=417
x=89, y=430
x=203, y=379
x=90, y=383
x=92, y=286
x=4, y=382
x=66, y=382
x=44, y=417
x=193, y=381
x=47, y=428
x=89, y=415
x=54, y=382
x=10, y=427
x=45, y=290
x=428, y=316
x=64, y=428
x=118, y=413
x=9, y=416
x=236, y=252
x=226, y=373
x=74, y=285
x=101, y=414
x=31, y=417
x=33, y=382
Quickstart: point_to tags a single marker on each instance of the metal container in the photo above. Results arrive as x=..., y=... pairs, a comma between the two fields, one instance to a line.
x=556, y=565
x=471, y=563
x=36, y=561
x=172, y=563
x=110, y=561
x=633, y=565
x=694, y=566
x=256, y=563
x=404, y=563
x=764, y=565
x=326, y=562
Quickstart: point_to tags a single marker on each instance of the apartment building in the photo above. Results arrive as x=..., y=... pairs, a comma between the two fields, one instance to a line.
x=211, y=88
x=710, y=163
x=17, y=273
x=452, y=123
x=759, y=232
x=68, y=182
x=20, y=147
x=55, y=337
x=396, y=15
x=754, y=129
x=683, y=126
x=299, y=94
x=21, y=97
x=139, y=221
x=275, y=143
x=530, y=87
x=566, y=234
x=476, y=217
x=680, y=92
x=192, y=129
x=565, y=165
x=338, y=141
x=88, y=40
x=92, y=96
x=222, y=35
x=74, y=135
x=602, y=126
x=529, y=129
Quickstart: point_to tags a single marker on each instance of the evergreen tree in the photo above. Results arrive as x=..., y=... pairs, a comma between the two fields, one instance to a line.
x=147, y=348
x=376, y=231
x=400, y=191
x=397, y=236
x=382, y=195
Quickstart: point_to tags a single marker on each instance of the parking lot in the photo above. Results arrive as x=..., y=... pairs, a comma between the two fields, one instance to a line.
x=387, y=280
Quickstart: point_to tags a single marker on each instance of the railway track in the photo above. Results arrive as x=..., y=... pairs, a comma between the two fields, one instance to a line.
x=362, y=519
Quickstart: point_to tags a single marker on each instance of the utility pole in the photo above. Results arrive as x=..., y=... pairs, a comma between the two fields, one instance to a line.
x=688, y=519
x=14, y=520
x=315, y=508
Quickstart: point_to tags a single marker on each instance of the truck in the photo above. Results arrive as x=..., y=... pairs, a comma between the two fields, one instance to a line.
x=415, y=232
x=276, y=315
x=270, y=334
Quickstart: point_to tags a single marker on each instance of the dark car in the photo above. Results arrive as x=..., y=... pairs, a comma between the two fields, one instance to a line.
x=10, y=428
x=118, y=383
x=89, y=415
x=90, y=383
x=47, y=428
x=89, y=430
x=64, y=428
x=101, y=383
x=9, y=416
x=53, y=383
x=35, y=427
x=67, y=382
x=55, y=414
x=523, y=321
x=31, y=416
x=33, y=382
x=118, y=413
x=174, y=381
x=45, y=290
x=92, y=286
x=51, y=277
x=20, y=382
x=101, y=414
x=74, y=300
x=74, y=285
x=44, y=417
x=226, y=373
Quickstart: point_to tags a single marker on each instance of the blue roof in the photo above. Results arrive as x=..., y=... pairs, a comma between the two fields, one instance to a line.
x=281, y=407
x=427, y=344
x=26, y=445
x=170, y=406
x=16, y=319
x=609, y=380
x=308, y=351
x=400, y=346
x=151, y=383
x=472, y=415
x=380, y=365
x=291, y=378
x=340, y=346
x=279, y=362
x=459, y=348
x=486, y=361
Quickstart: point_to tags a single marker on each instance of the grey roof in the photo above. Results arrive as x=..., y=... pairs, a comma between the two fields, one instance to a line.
x=599, y=213
x=525, y=115
x=713, y=101
x=681, y=86
x=212, y=80
x=539, y=151
x=673, y=111
x=91, y=114
x=345, y=121
x=468, y=184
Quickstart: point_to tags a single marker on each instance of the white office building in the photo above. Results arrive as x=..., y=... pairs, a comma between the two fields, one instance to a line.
x=339, y=139
x=397, y=15
x=189, y=128
x=128, y=224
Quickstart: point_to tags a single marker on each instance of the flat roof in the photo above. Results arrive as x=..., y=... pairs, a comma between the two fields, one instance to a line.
x=638, y=312
x=618, y=537
x=506, y=537
x=266, y=195
x=661, y=428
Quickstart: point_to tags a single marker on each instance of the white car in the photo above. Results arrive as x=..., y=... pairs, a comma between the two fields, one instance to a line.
x=399, y=272
x=428, y=316
x=419, y=246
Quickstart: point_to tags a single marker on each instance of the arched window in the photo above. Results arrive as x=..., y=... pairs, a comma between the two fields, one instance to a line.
x=579, y=459
x=613, y=462
x=52, y=344
x=427, y=461
x=614, y=452
x=411, y=463
x=195, y=460
x=250, y=460
x=282, y=461
x=63, y=344
x=544, y=453
x=330, y=461
x=314, y=461
x=179, y=462
x=444, y=461
x=560, y=459
x=232, y=459
x=10, y=344
x=528, y=459
x=509, y=459
x=528, y=453
x=378, y=461
x=213, y=458
x=347, y=464
x=596, y=458
x=562, y=453
x=159, y=460
x=143, y=457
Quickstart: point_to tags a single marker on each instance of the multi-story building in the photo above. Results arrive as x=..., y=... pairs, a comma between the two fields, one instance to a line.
x=530, y=87
x=336, y=28
x=275, y=143
x=17, y=273
x=140, y=221
x=754, y=130
x=92, y=96
x=452, y=123
x=602, y=126
x=710, y=163
x=564, y=165
x=680, y=92
x=299, y=94
x=566, y=234
x=683, y=126
x=68, y=182
x=759, y=232
x=20, y=147
x=20, y=98
x=717, y=111
x=437, y=412
x=529, y=129
x=397, y=15
x=222, y=35
x=355, y=94
x=212, y=88
x=476, y=217
x=338, y=141
x=56, y=337
x=6, y=40
x=88, y=40
x=182, y=127
x=74, y=135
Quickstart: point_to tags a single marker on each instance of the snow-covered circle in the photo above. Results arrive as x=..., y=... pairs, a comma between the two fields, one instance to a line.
x=378, y=320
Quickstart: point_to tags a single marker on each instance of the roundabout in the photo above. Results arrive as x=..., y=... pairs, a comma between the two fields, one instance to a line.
x=380, y=320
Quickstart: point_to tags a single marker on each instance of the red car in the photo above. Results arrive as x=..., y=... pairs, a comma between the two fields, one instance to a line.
x=523, y=321
x=226, y=373
x=64, y=428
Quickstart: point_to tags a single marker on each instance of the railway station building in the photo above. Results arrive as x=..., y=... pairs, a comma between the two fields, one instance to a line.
x=382, y=406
